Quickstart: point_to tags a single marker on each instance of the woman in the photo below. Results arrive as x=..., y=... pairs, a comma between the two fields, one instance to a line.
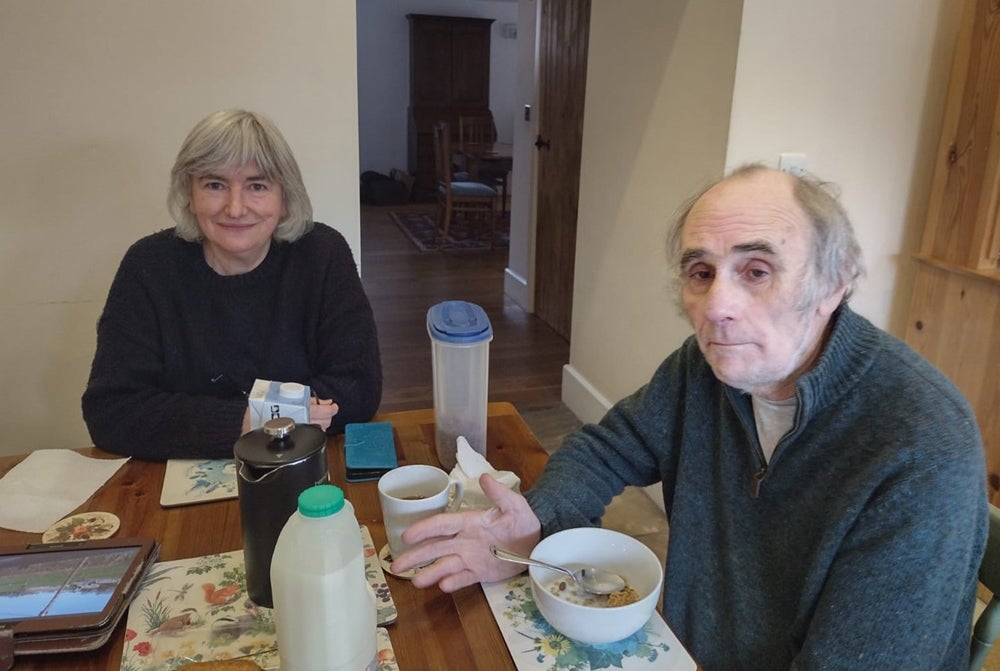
x=246, y=286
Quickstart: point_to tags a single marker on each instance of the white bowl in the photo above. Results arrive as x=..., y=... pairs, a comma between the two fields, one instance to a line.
x=606, y=549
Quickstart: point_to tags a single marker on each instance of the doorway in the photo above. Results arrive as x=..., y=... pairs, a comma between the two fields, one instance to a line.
x=539, y=275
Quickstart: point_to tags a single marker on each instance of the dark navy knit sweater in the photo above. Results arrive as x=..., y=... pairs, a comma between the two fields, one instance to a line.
x=178, y=345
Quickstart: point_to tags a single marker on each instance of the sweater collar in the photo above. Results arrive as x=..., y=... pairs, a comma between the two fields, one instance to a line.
x=849, y=353
x=264, y=272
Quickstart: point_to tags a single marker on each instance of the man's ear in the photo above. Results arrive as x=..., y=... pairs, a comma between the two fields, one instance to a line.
x=829, y=305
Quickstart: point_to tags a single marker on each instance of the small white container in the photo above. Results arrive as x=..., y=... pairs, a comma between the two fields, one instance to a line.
x=324, y=609
x=269, y=399
x=460, y=346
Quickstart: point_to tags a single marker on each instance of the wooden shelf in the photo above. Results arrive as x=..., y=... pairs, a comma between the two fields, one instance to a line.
x=987, y=275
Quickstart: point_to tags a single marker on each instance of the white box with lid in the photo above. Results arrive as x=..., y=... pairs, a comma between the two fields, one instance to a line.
x=460, y=346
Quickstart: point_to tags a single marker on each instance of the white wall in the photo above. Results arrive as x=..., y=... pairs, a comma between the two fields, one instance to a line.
x=97, y=97
x=522, y=178
x=659, y=85
x=383, y=44
x=857, y=85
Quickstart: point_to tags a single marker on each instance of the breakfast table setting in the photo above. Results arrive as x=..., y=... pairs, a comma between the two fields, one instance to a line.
x=193, y=605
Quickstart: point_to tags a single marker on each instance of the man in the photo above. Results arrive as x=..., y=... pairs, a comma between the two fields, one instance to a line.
x=825, y=485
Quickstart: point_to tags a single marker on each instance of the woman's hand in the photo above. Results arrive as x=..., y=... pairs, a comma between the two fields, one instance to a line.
x=460, y=542
x=321, y=411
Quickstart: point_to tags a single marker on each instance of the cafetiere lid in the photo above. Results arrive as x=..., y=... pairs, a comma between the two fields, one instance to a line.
x=280, y=441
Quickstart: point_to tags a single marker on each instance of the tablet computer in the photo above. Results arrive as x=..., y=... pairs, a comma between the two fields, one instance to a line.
x=67, y=597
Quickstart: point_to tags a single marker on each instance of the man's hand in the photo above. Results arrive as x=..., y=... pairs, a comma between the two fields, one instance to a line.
x=460, y=542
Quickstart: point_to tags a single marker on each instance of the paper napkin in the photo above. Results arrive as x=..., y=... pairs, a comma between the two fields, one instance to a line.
x=48, y=485
x=470, y=466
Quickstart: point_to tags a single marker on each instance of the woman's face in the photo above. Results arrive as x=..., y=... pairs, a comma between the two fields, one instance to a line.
x=237, y=211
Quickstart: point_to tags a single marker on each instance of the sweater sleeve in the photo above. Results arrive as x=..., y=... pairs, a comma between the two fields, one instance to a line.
x=347, y=363
x=630, y=446
x=127, y=405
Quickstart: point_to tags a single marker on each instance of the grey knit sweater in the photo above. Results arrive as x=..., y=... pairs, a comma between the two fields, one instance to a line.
x=178, y=345
x=856, y=547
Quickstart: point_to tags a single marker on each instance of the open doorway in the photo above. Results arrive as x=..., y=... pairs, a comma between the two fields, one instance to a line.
x=383, y=75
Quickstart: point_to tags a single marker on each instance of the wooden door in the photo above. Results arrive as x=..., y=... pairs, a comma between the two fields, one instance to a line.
x=564, y=27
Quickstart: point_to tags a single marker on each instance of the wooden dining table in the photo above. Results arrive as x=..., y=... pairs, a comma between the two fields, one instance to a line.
x=433, y=630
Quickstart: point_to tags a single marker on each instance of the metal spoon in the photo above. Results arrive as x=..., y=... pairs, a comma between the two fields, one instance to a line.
x=594, y=580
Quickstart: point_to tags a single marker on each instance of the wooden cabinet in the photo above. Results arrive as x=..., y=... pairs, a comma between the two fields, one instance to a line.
x=449, y=77
x=954, y=318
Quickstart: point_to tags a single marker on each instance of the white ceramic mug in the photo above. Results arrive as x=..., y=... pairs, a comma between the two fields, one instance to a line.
x=411, y=493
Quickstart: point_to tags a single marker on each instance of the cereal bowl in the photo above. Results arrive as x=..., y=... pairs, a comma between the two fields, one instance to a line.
x=588, y=618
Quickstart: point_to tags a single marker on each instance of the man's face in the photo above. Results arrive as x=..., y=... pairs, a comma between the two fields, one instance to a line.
x=745, y=259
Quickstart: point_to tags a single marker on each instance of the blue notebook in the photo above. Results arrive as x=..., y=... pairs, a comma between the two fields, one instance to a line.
x=369, y=450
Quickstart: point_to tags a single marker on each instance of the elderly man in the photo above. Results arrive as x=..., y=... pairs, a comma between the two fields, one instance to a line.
x=825, y=485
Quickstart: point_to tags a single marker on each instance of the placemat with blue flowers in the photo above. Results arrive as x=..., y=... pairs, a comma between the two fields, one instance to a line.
x=536, y=646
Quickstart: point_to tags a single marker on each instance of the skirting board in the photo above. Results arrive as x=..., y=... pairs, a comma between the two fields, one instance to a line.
x=589, y=405
x=516, y=288
x=581, y=397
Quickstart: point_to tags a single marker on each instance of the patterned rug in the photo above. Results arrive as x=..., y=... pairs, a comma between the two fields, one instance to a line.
x=421, y=230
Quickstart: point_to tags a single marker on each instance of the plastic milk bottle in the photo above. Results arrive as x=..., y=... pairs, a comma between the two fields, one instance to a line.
x=324, y=609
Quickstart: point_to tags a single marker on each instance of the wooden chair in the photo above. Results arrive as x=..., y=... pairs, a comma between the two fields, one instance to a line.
x=988, y=624
x=480, y=129
x=476, y=129
x=473, y=199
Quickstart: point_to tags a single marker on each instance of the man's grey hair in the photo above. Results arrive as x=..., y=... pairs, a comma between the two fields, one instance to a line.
x=232, y=139
x=837, y=259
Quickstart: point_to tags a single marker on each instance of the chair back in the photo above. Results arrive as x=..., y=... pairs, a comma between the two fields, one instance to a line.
x=987, y=626
x=476, y=129
x=442, y=154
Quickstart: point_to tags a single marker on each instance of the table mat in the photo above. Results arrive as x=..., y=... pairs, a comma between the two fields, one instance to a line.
x=535, y=646
x=197, y=609
x=187, y=481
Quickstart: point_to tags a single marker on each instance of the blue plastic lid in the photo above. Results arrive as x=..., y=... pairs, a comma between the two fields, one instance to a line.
x=321, y=501
x=459, y=322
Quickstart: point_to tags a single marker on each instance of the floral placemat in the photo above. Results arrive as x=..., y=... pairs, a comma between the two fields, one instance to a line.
x=197, y=609
x=536, y=646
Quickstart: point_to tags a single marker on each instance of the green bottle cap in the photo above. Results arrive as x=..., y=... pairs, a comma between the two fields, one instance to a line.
x=321, y=501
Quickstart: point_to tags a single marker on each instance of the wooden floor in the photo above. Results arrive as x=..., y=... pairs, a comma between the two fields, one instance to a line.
x=526, y=355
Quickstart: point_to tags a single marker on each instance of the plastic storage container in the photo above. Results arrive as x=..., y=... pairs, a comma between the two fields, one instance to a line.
x=460, y=346
x=324, y=609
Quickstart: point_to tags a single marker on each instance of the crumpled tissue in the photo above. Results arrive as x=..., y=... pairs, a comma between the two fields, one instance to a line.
x=48, y=485
x=470, y=466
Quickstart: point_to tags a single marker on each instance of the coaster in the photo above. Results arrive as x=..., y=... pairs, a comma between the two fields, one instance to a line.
x=82, y=527
x=385, y=558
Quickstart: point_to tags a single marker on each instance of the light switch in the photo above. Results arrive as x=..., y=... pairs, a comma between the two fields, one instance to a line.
x=793, y=163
